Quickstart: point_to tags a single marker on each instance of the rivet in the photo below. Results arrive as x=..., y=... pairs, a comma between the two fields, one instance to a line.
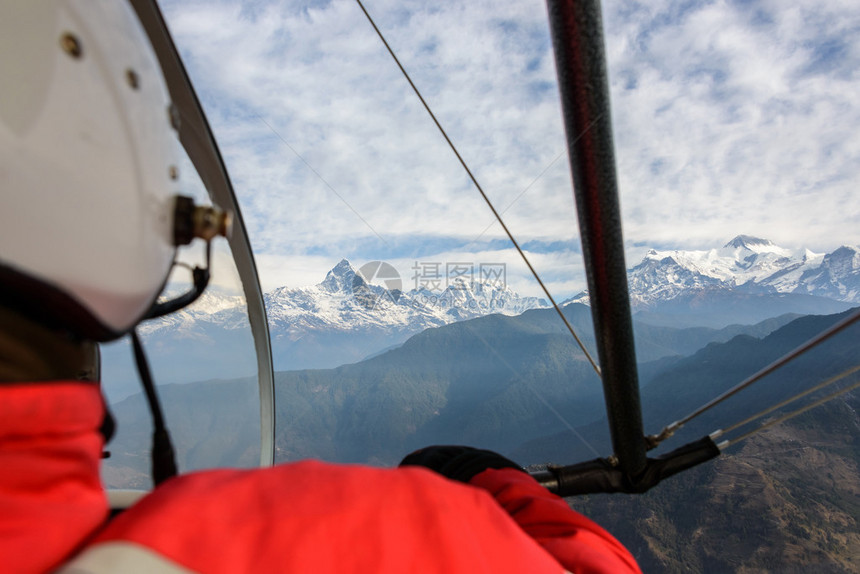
x=71, y=45
x=132, y=78
x=173, y=171
x=173, y=116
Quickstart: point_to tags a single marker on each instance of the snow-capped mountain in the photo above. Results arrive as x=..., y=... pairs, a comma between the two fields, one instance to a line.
x=342, y=319
x=749, y=265
x=333, y=305
x=838, y=276
x=745, y=281
x=213, y=307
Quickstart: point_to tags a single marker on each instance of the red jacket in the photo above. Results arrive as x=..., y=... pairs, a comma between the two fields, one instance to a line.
x=300, y=517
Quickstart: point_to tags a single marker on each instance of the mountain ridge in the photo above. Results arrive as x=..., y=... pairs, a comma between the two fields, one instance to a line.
x=343, y=319
x=748, y=264
x=326, y=325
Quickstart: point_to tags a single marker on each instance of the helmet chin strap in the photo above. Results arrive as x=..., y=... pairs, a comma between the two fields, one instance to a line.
x=162, y=455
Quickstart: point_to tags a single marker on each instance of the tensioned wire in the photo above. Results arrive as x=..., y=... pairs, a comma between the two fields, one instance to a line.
x=792, y=414
x=798, y=396
x=483, y=194
x=669, y=430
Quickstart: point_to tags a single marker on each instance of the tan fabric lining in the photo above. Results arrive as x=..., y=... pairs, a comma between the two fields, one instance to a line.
x=125, y=557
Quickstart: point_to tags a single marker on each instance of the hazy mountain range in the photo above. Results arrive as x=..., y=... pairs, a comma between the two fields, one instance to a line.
x=748, y=264
x=344, y=319
x=745, y=269
x=747, y=281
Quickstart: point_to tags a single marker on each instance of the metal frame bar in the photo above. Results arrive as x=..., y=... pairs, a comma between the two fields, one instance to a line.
x=199, y=143
x=577, y=34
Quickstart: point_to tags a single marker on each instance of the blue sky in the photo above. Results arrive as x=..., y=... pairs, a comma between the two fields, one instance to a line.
x=729, y=118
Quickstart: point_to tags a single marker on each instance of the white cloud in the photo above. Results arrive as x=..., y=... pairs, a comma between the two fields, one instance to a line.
x=728, y=129
x=729, y=118
x=293, y=270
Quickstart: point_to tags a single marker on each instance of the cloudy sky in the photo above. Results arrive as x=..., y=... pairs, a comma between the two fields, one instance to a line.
x=730, y=117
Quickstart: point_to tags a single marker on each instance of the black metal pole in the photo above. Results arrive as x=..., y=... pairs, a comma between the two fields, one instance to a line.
x=577, y=36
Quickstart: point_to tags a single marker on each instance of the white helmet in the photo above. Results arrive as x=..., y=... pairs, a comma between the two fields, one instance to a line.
x=88, y=158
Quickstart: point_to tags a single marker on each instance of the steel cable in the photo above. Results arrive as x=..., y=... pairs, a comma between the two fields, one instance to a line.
x=483, y=194
x=669, y=430
x=788, y=416
x=788, y=401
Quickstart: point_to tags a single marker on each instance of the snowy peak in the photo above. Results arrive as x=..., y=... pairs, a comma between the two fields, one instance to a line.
x=749, y=264
x=838, y=276
x=346, y=300
x=340, y=278
x=742, y=260
x=749, y=242
x=750, y=249
x=844, y=260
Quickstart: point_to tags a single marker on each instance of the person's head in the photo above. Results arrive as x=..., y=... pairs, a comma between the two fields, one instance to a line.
x=88, y=164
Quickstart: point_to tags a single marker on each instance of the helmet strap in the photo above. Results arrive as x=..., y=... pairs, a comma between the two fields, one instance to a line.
x=162, y=456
